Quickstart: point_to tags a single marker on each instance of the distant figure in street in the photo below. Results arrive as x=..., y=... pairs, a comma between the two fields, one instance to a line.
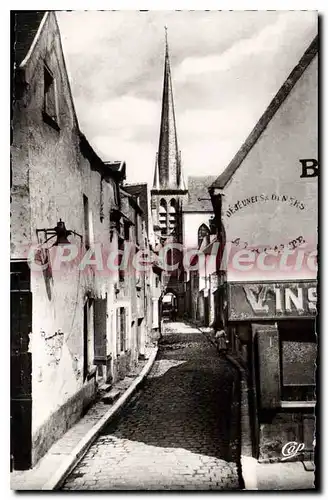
x=221, y=340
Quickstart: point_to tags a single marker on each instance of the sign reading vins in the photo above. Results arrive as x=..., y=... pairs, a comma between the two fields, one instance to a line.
x=269, y=300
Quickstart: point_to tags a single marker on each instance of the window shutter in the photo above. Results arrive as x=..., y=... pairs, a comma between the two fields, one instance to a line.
x=118, y=331
x=100, y=322
x=268, y=365
x=49, y=94
x=124, y=329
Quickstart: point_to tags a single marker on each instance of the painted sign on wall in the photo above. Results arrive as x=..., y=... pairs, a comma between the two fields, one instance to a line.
x=250, y=301
x=271, y=199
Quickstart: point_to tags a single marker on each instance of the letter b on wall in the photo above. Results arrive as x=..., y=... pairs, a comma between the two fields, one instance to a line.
x=310, y=168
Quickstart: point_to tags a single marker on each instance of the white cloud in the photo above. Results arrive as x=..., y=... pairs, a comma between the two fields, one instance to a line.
x=219, y=123
x=137, y=155
x=208, y=156
x=124, y=112
x=226, y=67
x=265, y=43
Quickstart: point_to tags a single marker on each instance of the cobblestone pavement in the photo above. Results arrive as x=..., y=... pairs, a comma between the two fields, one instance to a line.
x=178, y=432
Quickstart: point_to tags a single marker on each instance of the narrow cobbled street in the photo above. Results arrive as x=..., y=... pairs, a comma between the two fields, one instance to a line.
x=180, y=432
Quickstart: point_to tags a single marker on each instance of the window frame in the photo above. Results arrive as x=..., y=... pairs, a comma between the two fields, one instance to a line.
x=162, y=216
x=86, y=222
x=203, y=232
x=51, y=120
x=303, y=389
x=120, y=247
x=121, y=329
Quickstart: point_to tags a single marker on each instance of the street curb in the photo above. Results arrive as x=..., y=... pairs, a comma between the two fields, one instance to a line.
x=80, y=450
x=236, y=364
x=248, y=467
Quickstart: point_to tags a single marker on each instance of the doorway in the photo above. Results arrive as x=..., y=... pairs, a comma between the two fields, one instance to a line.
x=87, y=311
x=169, y=306
x=20, y=367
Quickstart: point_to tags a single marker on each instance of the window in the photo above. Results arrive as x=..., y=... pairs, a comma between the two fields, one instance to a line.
x=203, y=232
x=100, y=329
x=87, y=315
x=163, y=216
x=49, y=105
x=137, y=227
x=220, y=265
x=86, y=222
x=121, y=329
x=298, y=351
x=126, y=231
x=172, y=215
x=121, y=273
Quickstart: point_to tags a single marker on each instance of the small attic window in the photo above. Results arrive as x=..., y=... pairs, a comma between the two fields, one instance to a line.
x=49, y=104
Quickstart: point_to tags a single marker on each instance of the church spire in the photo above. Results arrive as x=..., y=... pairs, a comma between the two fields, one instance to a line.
x=168, y=173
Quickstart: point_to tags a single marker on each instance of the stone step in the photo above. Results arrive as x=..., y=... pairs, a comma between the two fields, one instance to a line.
x=111, y=396
x=105, y=387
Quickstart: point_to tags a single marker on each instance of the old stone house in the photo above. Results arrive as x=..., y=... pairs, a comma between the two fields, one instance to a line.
x=152, y=274
x=267, y=277
x=198, y=235
x=69, y=332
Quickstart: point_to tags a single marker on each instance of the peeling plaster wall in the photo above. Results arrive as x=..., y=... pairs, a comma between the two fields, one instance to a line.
x=20, y=195
x=49, y=177
x=45, y=162
x=273, y=167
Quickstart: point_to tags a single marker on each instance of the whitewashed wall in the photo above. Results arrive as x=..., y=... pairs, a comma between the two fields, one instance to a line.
x=271, y=170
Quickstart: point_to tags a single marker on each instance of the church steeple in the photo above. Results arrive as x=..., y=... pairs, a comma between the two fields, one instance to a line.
x=168, y=174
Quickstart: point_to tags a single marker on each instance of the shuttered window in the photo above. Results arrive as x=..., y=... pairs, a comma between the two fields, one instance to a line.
x=121, y=325
x=100, y=326
x=49, y=106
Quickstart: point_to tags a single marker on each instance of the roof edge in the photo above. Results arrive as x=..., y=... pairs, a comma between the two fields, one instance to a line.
x=267, y=116
x=32, y=47
x=66, y=73
x=35, y=39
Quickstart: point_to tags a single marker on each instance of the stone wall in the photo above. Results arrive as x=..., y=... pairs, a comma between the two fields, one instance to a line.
x=278, y=429
x=61, y=420
x=50, y=175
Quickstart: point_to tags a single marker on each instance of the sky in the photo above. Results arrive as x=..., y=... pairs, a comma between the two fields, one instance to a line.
x=226, y=67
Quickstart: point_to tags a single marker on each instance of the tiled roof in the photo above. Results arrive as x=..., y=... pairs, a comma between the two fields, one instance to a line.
x=198, y=188
x=267, y=116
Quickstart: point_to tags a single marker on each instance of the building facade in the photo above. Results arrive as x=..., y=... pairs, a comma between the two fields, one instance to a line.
x=50, y=337
x=152, y=272
x=76, y=319
x=198, y=235
x=267, y=277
